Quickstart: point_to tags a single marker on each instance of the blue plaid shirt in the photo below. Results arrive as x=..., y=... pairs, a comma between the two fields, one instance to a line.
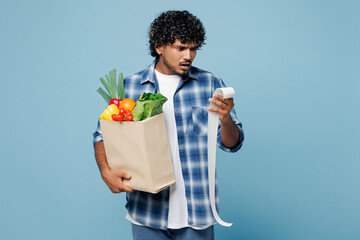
x=190, y=107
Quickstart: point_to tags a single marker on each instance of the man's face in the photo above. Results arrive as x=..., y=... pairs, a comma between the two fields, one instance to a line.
x=176, y=59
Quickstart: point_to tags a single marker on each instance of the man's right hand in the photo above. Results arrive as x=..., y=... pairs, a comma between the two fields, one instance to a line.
x=114, y=180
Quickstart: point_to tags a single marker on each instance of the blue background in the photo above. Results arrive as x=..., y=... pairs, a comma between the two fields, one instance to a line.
x=293, y=64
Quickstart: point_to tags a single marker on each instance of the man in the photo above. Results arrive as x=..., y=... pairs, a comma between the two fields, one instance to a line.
x=182, y=211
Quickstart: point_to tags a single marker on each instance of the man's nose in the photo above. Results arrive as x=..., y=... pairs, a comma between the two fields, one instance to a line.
x=187, y=54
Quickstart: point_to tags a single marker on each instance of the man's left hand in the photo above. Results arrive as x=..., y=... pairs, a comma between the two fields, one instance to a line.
x=230, y=134
x=224, y=107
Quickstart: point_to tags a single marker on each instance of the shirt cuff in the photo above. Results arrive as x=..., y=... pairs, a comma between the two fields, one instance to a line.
x=235, y=148
x=97, y=134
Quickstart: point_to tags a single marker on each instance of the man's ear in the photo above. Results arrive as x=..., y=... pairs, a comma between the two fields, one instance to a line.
x=159, y=49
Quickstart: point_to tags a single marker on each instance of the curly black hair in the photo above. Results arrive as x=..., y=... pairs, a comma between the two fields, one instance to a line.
x=172, y=25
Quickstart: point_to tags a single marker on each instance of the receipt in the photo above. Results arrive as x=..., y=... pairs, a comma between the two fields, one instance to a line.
x=213, y=120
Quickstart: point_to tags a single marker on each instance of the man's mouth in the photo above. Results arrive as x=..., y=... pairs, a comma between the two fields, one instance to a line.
x=185, y=65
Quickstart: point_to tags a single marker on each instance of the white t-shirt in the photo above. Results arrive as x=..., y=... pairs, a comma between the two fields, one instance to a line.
x=178, y=213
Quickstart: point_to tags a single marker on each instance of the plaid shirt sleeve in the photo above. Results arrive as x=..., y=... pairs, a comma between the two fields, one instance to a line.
x=97, y=134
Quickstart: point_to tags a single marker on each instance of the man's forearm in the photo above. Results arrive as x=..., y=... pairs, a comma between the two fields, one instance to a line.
x=100, y=156
x=112, y=178
x=230, y=134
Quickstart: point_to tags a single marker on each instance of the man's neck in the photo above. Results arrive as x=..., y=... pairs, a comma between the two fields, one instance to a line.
x=161, y=68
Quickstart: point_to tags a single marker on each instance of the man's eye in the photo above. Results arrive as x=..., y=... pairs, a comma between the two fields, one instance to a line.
x=181, y=48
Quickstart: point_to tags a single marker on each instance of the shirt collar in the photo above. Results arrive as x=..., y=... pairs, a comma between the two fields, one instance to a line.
x=150, y=76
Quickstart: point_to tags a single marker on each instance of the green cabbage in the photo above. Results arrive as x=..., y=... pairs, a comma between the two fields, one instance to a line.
x=148, y=105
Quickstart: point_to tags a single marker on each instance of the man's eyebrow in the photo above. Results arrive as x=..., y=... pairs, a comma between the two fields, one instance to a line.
x=184, y=46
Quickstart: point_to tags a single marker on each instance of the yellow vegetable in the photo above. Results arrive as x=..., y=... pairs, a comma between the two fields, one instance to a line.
x=110, y=110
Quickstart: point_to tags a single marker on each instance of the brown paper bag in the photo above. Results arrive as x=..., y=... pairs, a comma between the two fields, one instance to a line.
x=141, y=149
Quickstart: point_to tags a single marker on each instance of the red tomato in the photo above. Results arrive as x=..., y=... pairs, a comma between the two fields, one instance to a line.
x=121, y=111
x=128, y=117
x=128, y=112
x=117, y=117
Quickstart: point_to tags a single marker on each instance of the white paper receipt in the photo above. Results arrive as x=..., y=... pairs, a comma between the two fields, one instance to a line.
x=213, y=120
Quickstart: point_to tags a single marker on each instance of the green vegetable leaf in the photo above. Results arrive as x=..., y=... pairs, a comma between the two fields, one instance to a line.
x=148, y=105
x=106, y=85
x=106, y=97
x=112, y=76
x=121, y=91
x=114, y=89
x=111, y=93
